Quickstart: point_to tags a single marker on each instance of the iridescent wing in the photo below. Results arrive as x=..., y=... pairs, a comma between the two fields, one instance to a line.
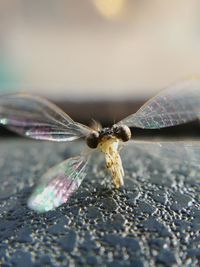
x=37, y=118
x=58, y=184
x=182, y=151
x=176, y=105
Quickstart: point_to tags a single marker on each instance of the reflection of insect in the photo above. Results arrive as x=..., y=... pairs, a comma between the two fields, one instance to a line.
x=39, y=119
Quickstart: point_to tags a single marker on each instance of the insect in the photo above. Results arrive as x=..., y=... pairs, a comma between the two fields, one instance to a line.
x=37, y=118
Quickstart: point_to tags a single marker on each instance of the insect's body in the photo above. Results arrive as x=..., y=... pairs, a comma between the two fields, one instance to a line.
x=109, y=146
x=107, y=140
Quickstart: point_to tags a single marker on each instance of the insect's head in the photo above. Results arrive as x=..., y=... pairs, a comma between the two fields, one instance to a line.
x=121, y=132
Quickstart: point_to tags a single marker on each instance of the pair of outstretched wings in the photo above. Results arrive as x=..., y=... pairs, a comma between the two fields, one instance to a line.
x=37, y=118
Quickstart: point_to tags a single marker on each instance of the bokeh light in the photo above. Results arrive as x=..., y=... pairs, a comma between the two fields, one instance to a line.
x=110, y=8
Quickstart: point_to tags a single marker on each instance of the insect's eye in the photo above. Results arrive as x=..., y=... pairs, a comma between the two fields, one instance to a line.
x=122, y=132
x=92, y=139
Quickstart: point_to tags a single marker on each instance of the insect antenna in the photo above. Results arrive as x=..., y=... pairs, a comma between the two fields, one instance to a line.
x=95, y=125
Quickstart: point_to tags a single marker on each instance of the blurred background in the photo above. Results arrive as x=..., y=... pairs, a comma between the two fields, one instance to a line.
x=97, y=58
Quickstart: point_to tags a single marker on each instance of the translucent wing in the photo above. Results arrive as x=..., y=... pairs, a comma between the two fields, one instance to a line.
x=37, y=118
x=58, y=184
x=178, y=104
x=184, y=152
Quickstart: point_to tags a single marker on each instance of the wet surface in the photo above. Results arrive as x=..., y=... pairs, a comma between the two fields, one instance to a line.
x=153, y=220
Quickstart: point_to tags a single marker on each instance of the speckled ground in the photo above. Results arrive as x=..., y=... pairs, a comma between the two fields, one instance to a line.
x=153, y=221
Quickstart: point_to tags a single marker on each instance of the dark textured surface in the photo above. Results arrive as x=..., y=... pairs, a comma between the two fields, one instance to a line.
x=153, y=220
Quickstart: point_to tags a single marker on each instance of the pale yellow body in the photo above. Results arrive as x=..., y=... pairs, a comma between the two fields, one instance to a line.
x=109, y=146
